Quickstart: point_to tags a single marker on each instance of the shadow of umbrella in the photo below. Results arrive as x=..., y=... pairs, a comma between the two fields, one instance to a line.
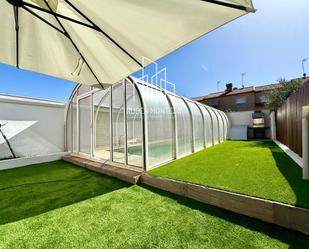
x=9, y=129
x=6, y=140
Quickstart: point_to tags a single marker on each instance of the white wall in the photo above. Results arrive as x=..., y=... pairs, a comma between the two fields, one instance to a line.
x=240, y=120
x=273, y=128
x=245, y=118
x=34, y=127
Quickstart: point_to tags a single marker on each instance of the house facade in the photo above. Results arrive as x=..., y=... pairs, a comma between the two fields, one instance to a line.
x=246, y=108
x=238, y=99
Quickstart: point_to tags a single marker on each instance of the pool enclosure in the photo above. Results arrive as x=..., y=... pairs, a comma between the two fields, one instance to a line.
x=138, y=124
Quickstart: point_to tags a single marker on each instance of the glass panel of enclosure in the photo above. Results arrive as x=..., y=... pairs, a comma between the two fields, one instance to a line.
x=84, y=89
x=183, y=126
x=74, y=124
x=159, y=120
x=84, y=117
x=227, y=126
x=208, y=126
x=118, y=131
x=68, y=129
x=134, y=126
x=221, y=125
x=198, y=126
x=215, y=126
x=101, y=115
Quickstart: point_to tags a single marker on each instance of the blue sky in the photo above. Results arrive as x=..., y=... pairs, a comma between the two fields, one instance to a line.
x=268, y=45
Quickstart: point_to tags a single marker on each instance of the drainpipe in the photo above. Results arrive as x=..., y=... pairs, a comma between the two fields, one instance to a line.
x=305, y=131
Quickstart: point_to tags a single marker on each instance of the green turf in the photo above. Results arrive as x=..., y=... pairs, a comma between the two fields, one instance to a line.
x=137, y=217
x=36, y=189
x=255, y=168
x=121, y=216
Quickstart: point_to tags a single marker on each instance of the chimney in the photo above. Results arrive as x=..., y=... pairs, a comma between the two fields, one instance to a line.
x=229, y=87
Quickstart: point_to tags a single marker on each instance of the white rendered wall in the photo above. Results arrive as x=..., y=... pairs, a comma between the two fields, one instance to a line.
x=245, y=118
x=273, y=129
x=305, y=141
x=34, y=127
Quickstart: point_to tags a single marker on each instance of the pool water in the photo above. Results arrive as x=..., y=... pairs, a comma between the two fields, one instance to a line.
x=154, y=150
x=159, y=150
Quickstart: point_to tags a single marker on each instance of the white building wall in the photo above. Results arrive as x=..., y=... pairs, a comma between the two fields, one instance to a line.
x=245, y=118
x=240, y=121
x=273, y=129
x=34, y=127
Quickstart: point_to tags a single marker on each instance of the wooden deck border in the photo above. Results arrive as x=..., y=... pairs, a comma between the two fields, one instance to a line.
x=280, y=214
x=119, y=173
x=277, y=213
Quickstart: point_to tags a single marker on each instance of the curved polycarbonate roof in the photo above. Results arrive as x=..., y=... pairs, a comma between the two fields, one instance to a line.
x=139, y=124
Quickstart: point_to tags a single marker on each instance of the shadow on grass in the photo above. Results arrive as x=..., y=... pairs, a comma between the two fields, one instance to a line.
x=291, y=172
x=36, y=189
x=294, y=239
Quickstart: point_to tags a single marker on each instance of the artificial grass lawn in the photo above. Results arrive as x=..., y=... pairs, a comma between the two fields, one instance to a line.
x=121, y=216
x=255, y=168
x=32, y=190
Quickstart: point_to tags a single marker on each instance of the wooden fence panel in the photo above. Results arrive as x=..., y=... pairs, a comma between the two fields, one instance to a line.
x=289, y=119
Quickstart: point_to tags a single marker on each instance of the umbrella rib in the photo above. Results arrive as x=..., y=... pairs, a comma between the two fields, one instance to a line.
x=73, y=43
x=231, y=5
x=51, y=12
x=16, y=17
x=104, y=33
x=44, y=20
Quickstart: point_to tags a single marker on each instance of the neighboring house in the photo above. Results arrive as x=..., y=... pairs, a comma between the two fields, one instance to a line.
x=238, y=99
x=246, y=107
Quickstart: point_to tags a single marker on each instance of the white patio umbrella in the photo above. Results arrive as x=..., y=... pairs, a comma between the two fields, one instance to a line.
x=98, y=42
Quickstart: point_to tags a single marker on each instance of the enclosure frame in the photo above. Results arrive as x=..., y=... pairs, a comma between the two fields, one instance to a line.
x=138, y=87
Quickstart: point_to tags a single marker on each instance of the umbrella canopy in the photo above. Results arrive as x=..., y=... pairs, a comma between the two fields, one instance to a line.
x=99, y=42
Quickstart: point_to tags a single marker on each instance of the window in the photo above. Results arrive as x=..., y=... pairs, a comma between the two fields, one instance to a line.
x=262, y=99
x=241, y=100
x=214, y=103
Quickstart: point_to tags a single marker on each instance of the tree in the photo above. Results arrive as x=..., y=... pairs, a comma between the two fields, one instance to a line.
x=278, y=96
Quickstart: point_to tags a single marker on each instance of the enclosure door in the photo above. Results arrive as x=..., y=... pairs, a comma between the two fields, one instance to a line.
x=84, y=124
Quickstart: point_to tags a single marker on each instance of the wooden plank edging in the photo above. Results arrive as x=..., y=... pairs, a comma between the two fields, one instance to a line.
x=284, y=215
x=277, y=213
x=119, y=173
